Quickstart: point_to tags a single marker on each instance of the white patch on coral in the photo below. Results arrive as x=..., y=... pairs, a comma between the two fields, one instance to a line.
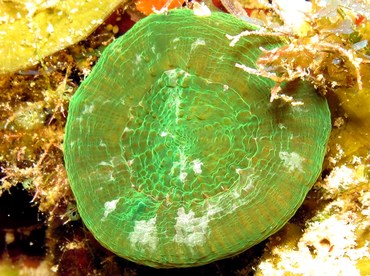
x=144, y=235
x=102, y=144
x=171, y=74
x=183, y=159
x=190, y=230
x=88, y=109
x=298, y=108
x=163, y=134
x=177, y=106
x=236, y=194
x=197, y=166
x=105, y=163
x=292, y=161
x=181, y=164
x=109, y=207
x=183, y=176
x=213, y=209
x=79, y=119
x=174, y=75
x=245, y=178
x=281, y=126
x=249, y=185
x=126, y=129
x=138, y=59
x=198, y=42
x=111, y=178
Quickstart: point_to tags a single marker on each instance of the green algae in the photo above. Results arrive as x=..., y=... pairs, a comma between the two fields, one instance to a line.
x=178, y=158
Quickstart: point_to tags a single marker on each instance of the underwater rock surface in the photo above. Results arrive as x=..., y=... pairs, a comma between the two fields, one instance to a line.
x=29, y=31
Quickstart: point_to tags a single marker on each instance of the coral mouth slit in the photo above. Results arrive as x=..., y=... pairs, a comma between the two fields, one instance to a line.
x=176, y=157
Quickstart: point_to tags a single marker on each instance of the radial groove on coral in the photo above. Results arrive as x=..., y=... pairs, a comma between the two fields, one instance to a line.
x=175, y=156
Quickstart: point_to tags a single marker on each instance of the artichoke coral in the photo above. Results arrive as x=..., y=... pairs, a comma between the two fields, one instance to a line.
x=176, y=157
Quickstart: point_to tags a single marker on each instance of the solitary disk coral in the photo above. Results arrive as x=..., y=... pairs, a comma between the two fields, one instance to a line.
x=178, y=158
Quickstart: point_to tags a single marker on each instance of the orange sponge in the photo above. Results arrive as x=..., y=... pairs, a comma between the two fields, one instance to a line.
x=148, y=7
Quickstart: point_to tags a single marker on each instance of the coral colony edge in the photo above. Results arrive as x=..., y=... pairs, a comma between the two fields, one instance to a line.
x=178, y=158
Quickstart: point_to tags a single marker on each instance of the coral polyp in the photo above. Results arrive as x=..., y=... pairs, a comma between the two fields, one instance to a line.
x=176, y=157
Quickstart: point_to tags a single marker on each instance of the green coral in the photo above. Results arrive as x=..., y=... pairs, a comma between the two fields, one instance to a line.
x=178, y=158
